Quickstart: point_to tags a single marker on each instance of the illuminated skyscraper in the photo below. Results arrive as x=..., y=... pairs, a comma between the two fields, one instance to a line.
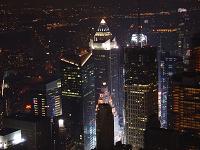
x=169, y=65
x=78, y=99
x=141, y=98
x=195, y=53
x=108, y=67
x=185, y=102
x=185, y=97
x=89, y=103
x=183, y=34
x=39, y=102
x=185, y=94
x=53, y=95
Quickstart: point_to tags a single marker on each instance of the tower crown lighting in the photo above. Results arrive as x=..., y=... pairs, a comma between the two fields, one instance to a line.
x=103, y=21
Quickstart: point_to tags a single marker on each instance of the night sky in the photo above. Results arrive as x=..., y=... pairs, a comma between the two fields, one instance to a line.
x=123, y=3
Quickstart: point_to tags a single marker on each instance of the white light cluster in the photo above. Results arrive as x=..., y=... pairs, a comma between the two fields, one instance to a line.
x=108, y=45
x=181, y=10
x=14, y=137
x=139, y=39
x=61, y=123
x=103, y=21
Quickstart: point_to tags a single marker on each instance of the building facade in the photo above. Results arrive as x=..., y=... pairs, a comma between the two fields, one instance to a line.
x=108, y=69
x=53, y=96
x=105, y=127
x=79, y=99
x=185, y=102
x=168, y=66
x=141, y=98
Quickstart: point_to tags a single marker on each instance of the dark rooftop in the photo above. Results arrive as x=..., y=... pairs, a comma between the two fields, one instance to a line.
x=6, y=131
x=190, y=79
x=27, y=117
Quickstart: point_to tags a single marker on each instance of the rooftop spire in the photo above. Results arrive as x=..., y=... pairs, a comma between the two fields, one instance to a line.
x=103, y=21
x=103, y=27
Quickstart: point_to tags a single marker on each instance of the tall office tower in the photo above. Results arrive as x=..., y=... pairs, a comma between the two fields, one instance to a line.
x=78, y=98
x=195, y=53
x=39, y=101
x=89, y=103
x=185, y=102
x=183, y=36
x=72, y=101
x=141, y=98
x=169, y=65
x=105, y=127
x=185, y=97
x=108, y=67
x=53, y=96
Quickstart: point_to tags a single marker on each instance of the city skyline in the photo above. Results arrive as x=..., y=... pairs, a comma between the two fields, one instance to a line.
x=85, y=69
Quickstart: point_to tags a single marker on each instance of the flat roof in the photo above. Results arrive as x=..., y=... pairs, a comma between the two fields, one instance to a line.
x=27, y=117
x=6, y=131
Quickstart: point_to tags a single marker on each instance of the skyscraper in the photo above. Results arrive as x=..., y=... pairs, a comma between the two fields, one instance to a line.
x=195, y=53
x=78, y=99
x=140, y=91
x=38, y=97
x=89, y=103
x=107, y=67
x=168, y=65
x=53, y=93
x=105, y=127
x=185, y=93
x=183, y=32
x=185, y=102
x=185, y=98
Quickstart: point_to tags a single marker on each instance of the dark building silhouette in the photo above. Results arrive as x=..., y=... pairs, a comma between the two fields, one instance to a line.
x=161, y=139
x=156, y=138
x=2, y=110
x=120, y=146
x=104, y=127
